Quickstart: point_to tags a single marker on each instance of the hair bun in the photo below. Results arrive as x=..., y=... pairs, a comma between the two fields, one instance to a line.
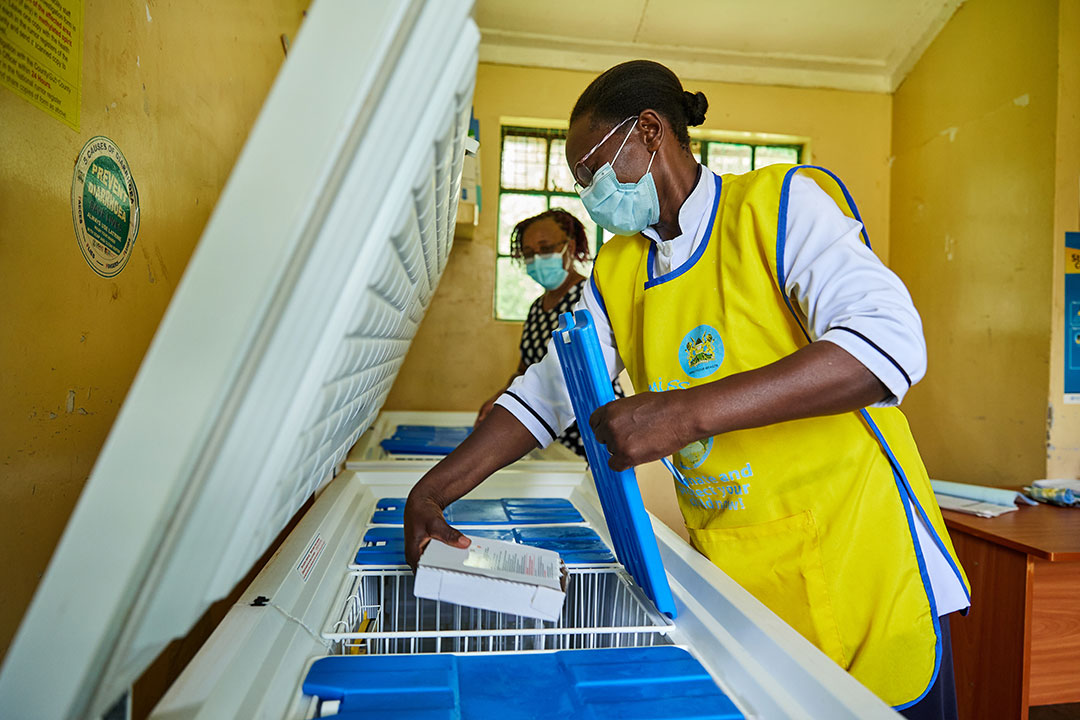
x=695, y=104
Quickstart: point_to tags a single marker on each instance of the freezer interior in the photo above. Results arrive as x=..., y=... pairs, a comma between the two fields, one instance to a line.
x=369, y=453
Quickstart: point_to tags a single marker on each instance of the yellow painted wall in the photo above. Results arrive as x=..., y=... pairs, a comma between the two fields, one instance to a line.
x=1063, y=451
x=972, y=227
x=177, y=86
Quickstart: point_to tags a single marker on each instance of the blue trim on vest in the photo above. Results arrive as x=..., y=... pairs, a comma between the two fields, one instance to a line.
x=599, y=297
x=902, y=484
x=924, y=574
x=781, y=241
x=653, y=282
x=915, y=501
x=781, y=225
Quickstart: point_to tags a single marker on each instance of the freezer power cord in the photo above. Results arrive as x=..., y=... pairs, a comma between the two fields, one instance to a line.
x=318, y=638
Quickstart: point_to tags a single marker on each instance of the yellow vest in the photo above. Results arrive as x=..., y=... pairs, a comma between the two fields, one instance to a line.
x=807, y=515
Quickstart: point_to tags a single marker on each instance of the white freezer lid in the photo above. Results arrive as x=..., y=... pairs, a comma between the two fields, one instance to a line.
x=276, y=352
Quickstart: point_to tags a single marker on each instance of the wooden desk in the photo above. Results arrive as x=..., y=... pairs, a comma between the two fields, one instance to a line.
x=1020, y=644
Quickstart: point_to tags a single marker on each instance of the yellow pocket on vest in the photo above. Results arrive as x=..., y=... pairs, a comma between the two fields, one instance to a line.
x=779, y=563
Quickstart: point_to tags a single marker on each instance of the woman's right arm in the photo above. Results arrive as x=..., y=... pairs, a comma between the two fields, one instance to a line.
x=531, y=414
x=498, y=441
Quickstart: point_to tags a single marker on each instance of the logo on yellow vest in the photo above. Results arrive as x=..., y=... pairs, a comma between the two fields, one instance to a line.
x=694, y=454
x=701, y=351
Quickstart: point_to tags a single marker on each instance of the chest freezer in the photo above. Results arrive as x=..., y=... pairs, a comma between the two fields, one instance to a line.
x=373, y=452
x=274, y=356
x=335, y=606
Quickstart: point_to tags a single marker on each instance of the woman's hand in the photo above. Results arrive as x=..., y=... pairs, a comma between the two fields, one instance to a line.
x=643, y=427
x=424, y=522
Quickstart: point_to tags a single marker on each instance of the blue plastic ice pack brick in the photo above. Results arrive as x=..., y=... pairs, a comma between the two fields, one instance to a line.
x=425, y=439
x=659, y=683
x=507, y=511
x=575, y=544
x=628, y=523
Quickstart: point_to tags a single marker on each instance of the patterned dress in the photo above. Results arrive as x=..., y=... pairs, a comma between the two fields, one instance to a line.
x=535, y=334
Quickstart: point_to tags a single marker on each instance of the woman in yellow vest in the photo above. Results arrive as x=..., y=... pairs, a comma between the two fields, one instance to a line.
x=768, y=348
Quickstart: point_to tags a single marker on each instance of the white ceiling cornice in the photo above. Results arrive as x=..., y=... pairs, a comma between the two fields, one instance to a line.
x=507, y=47
x=902, y=64
x=513, y=48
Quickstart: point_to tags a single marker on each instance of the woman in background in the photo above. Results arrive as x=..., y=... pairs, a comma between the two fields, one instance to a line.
x=548, y=245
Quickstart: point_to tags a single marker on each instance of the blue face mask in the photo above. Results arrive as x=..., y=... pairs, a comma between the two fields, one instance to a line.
x=547, y=270
x=622, y=208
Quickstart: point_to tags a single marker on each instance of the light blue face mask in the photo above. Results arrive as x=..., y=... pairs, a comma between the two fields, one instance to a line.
x=547, y=270
x=622, y=208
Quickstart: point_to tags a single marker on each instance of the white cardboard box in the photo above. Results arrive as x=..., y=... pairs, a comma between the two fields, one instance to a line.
x=494, y=575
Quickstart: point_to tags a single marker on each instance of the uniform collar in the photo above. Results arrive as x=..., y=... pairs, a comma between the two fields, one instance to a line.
x=694, y=211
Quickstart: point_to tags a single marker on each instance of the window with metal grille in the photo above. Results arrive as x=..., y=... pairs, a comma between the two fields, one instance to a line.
x=534, y=177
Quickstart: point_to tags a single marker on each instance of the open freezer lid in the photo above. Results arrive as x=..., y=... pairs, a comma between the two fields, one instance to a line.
x=276, y=352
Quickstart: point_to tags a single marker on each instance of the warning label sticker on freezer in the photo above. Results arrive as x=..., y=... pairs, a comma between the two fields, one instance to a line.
x=311, y=556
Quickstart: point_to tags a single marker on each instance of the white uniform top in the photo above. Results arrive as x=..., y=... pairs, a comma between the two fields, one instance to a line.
x=847, y=295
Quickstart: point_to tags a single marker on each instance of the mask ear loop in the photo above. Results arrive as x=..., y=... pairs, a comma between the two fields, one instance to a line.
x=619, y=151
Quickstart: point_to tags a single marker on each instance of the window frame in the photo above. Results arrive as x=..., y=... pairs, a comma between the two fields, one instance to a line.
x=547, y=134
x=705, y=142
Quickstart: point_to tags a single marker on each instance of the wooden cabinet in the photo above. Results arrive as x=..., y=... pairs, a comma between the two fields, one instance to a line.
x=1020, y=644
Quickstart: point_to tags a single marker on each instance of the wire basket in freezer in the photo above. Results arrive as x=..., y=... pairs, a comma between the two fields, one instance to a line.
x=380, y=615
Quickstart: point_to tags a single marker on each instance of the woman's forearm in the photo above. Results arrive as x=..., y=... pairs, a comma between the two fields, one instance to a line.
x=495, y=443
x=819, y=379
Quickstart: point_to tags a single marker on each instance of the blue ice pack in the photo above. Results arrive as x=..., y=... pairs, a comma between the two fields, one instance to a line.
x=628, y=523
x=655, y=683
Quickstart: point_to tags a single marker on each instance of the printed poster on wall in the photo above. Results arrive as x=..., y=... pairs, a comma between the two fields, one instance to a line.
x=41, y=54
x=1072, y=318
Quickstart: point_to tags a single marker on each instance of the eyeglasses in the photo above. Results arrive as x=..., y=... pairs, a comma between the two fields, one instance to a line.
x=528, y=255
x=583, y=174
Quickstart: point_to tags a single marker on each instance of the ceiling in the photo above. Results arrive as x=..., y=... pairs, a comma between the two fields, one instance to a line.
x=866, y=45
